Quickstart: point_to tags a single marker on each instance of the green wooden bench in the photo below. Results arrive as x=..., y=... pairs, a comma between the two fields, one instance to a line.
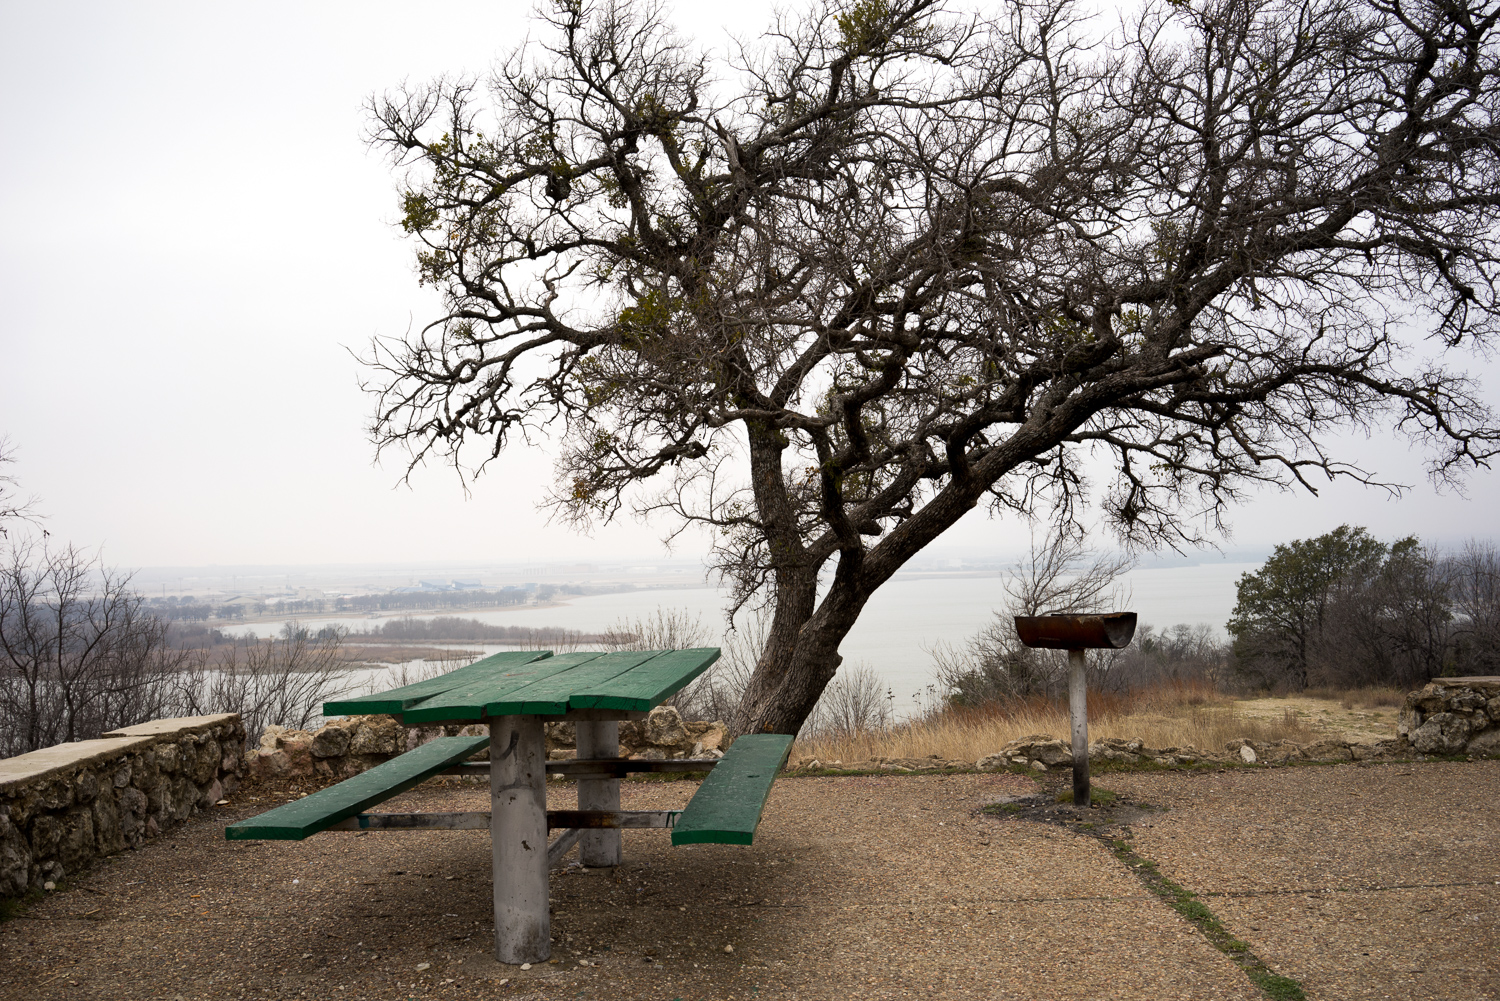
x=727, y=807
x=307, y=816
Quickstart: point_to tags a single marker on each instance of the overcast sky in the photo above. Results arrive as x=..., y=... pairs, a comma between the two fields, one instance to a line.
x=194, y=239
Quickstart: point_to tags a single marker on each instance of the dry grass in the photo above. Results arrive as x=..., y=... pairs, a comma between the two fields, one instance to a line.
x=1372, y=697
x=1172, y=716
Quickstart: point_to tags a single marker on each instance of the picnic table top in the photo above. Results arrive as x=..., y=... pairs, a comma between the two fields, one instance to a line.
x=535, y=683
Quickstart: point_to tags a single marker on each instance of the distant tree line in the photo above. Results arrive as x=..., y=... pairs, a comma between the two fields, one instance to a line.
x=409, y=629
x=1342, y=610
x=174, y=610
x=1345, y=609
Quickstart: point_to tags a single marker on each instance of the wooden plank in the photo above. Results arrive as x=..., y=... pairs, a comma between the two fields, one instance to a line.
x=467, y=701
x=609, y=821
x=473, y=820
x=550, y=695
x=561, y=845
x=646, y=686
x=613, y=820
x=398, y=699
x=596, y=768
x=307, y=816
x=726, y=808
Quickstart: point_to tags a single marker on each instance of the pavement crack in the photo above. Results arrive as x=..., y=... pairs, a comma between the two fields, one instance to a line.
x=1188, y=904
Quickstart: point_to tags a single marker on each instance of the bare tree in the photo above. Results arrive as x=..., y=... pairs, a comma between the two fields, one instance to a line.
x=887, y=264
x=1060, y=574
x=13, y=507
x=1473, y=579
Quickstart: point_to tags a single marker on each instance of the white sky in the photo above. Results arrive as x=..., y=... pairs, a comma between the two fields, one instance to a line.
x=193, y=236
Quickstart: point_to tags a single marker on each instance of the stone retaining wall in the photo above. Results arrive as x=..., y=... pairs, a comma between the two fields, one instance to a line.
x=61, y=807
x=1452, y=716
x=350, y=745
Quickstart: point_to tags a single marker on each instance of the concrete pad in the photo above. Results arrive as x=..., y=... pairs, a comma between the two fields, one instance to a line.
x=1361, y=881
x=862, y=887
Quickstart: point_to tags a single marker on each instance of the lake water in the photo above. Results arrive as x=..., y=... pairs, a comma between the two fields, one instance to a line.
x=900, y=626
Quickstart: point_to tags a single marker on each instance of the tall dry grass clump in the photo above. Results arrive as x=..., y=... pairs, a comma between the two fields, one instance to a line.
x=1178, y=714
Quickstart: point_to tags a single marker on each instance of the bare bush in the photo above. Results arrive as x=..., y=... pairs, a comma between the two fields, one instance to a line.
x=78, y=654
x=283, y=680
x=1180, y=655
x=663, y=629
x=854, y=703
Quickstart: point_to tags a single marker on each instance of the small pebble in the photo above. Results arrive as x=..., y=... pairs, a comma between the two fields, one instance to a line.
x=49, y=886
x=423, y=966
x=525, y=966
x=729, y=948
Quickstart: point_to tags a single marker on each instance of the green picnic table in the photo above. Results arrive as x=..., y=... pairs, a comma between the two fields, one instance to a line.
x=513, y=694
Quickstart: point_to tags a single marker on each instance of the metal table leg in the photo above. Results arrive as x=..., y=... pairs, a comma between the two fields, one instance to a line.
x=599, y=739
x=518, y=839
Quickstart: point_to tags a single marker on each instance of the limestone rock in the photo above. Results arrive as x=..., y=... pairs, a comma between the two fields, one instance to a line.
x=376, y=735
x=1408, y=720
x=1248, y=755
x=1486, y=744
x=708, y=737
x=560, y=734
x=1327, y=750
x=1442, y=733
x=664, y=727
x=331, y=741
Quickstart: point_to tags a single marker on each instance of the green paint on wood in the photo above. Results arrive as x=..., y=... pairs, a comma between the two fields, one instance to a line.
x=644, y=687
x=468, y=700
x=550, y=696
x=397, y=699
x=727, y=807
x=307, y=816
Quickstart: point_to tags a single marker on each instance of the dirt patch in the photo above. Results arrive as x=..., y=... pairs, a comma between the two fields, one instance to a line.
x=1106, y=812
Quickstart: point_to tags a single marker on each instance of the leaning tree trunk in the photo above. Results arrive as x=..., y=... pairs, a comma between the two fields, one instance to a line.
x=789, y=679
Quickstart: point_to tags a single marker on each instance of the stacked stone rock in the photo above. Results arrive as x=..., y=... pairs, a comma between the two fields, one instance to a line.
x=1449, y=716
x=1453, y=716
x=1041, y=751
x=352, y=744
x=63, y=806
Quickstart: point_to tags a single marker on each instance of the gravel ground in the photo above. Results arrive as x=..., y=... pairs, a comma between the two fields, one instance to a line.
x=867, y=887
